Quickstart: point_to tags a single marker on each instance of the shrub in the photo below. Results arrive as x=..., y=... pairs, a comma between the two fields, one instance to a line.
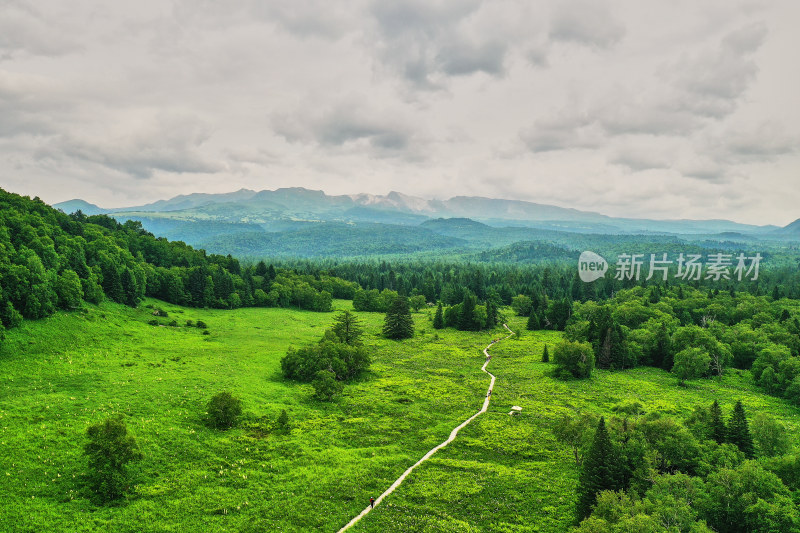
x=325, y=385
x=573, y=359
x=223, y=410
x=110, y=449
x=153, y=322
x=189, y=324
x=283, y=421
x=200, y=324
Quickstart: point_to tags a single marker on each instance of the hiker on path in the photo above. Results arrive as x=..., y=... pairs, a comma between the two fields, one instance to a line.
x=372, y=503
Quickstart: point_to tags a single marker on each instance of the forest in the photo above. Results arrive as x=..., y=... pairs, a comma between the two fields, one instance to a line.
x=634, y=466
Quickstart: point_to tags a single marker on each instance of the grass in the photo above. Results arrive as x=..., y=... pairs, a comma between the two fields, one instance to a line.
x=503, y=473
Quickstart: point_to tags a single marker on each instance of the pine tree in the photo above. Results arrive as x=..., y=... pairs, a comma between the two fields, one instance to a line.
x=545, y=355
x=717, y=424
x=598, y=471
x=398, y=323
x=348, y=328
x=466, y=321
x=533, y=322
x=662, y=348
x=438, y=319
x=739, y=432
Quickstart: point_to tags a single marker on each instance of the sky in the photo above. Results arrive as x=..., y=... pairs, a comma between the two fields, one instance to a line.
x=680, y=109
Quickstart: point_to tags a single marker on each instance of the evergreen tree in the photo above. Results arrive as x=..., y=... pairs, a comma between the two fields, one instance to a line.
x=662, y=348
x=466, y=320
x=533, y=322
x=112, y=285
x=717, y=424
x=438, y=319
x=129, y=288
x=283, y=418
x=545, y=355
x=398, y=323
x=739, y=432
x=348, y=328
x=491, y=314
x=598, y=471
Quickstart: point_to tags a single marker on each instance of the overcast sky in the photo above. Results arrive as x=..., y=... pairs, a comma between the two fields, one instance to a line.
x=680, y=109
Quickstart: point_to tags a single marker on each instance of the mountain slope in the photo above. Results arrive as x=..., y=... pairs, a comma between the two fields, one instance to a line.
x=297, y=203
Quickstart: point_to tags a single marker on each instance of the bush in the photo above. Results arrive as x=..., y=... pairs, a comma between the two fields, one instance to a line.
x=206, y=332
x=153, y=322
x=345, y=361
x=223, y=410
x=325, y=385
x=573, y=359
x=189, y=324
x=200, y=324
x=174, y=323
x=283, y=421
x=110, y=449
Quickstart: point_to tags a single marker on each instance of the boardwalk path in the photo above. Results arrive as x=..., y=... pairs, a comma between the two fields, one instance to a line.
x=450, y=439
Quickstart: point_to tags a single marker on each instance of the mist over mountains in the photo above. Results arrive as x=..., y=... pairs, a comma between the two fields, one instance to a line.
x=299, y=222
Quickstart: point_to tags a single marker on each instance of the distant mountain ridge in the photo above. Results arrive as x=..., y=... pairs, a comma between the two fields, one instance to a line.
x=298, y=204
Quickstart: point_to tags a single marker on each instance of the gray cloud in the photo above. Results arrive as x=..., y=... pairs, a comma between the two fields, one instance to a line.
x=428, y=97
x=562, y=132
x=169, y=143
x=349, y=122
x=427, y=41
x=586, y=22
x=29, y=31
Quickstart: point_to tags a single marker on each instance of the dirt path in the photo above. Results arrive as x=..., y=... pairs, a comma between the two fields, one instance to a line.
x=450, y=439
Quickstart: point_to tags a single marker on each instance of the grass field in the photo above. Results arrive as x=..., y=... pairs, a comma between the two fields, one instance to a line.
x=503, y=473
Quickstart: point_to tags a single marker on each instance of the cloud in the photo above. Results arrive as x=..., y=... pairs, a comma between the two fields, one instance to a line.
x=711, y=81
x=586, y=22
x=427, y=42
x=26, y=30
x=742, y=143
x=349, y=124
x=562, y=132
x=164, y=142
x=29, y=104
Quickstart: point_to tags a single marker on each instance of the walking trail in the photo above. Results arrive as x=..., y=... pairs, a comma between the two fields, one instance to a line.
x=450, y=439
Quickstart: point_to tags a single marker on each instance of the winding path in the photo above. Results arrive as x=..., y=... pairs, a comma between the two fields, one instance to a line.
x=450, y=439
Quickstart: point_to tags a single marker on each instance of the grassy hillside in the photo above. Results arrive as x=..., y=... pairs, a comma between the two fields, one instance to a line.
x=502, y=473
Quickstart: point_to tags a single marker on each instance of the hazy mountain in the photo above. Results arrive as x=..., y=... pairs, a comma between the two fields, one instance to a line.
x=297, y=203
x=790, y=229
x=71, y=206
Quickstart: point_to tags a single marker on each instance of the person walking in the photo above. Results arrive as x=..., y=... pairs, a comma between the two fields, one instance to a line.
x=372, y=503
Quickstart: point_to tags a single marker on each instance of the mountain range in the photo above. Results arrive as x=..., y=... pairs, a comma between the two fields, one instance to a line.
x=299, y=222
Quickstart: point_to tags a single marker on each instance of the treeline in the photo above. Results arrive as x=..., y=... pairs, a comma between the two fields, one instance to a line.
x=51, y=260
x=645, y=472
x=445, y=279
x=694, y=333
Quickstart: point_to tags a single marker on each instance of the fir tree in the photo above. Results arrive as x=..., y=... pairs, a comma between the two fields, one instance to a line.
x=348, y=328
x=533, y=322
x=491, y=314
x=398, y=323
x=438, y=319
x=466, y=321
x=739, y=432
x=545, y=355
x=598, y=471
x=717, y=424
x=662, y=348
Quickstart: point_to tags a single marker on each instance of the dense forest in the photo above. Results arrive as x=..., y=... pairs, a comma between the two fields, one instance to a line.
x=694, y=334
x=50, y=260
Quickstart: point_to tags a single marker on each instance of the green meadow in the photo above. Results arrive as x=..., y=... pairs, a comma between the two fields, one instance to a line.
x=61, y=374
